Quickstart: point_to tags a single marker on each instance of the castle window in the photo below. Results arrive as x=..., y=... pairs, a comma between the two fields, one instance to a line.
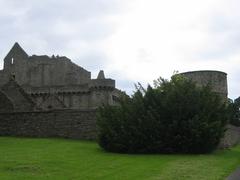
x=12, y=60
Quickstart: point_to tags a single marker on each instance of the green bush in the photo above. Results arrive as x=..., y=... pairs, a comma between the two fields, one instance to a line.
x=175, y=116
x=234, y=111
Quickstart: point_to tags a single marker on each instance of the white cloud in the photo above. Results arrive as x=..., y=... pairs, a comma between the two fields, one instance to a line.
x=133, y=40
x=157, y=37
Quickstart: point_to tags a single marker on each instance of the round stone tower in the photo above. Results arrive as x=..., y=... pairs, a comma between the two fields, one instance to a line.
x=217, y=80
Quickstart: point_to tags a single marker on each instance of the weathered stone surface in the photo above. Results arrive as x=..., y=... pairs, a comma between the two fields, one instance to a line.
x=76, y=124
x=42, y=96
x=19, y=98
x=5, y=103
x=216, y=79
x=101, y=75
x=54, y=82
x=231, y=138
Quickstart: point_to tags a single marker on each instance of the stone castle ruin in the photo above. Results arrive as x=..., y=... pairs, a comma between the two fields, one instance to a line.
x=38, y=83
x=42, y=96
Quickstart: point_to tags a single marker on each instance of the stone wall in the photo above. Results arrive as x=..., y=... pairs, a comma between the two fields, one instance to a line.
x=19, y=99
x=76, y=124
x=231, y=138
x=38, y=71
x=52, y=83
x=5, y=103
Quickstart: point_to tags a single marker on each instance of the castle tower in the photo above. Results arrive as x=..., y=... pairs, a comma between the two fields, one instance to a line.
x=217, y=80
x=101, y=90
x=14, y=55
x=15, y=63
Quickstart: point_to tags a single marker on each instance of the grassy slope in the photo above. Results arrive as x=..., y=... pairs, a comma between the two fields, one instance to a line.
x=25, y=158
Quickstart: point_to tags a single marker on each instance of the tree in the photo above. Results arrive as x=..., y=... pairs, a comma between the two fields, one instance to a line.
x=234, y=111
x=174, y=116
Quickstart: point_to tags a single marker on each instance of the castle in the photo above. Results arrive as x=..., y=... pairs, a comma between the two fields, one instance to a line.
x=42, y=96
x=40, y=83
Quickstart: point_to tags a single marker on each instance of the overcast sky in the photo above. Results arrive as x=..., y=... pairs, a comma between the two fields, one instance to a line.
x=131, y=40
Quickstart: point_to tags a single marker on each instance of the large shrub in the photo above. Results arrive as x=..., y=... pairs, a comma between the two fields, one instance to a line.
x=175, y=116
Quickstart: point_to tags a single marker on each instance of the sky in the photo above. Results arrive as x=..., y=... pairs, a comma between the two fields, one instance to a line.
x=131, y=40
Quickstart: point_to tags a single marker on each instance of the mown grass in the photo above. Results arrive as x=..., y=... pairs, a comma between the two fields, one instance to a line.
x=27, y=158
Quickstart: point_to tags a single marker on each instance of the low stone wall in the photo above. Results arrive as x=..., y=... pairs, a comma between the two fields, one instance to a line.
x=76, y=124
x=231, y=138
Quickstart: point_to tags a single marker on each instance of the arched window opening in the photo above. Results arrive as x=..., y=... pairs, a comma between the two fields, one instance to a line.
x=12, y=60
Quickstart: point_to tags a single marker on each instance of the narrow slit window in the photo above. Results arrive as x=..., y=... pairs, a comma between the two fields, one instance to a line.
x=12, y=60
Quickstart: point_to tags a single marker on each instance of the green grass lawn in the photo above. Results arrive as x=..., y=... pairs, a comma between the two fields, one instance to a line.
x=27, y=158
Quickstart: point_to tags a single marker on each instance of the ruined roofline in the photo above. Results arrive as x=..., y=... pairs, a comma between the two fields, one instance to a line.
x=16, y=49
x=54, y=58
x=50, y=57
